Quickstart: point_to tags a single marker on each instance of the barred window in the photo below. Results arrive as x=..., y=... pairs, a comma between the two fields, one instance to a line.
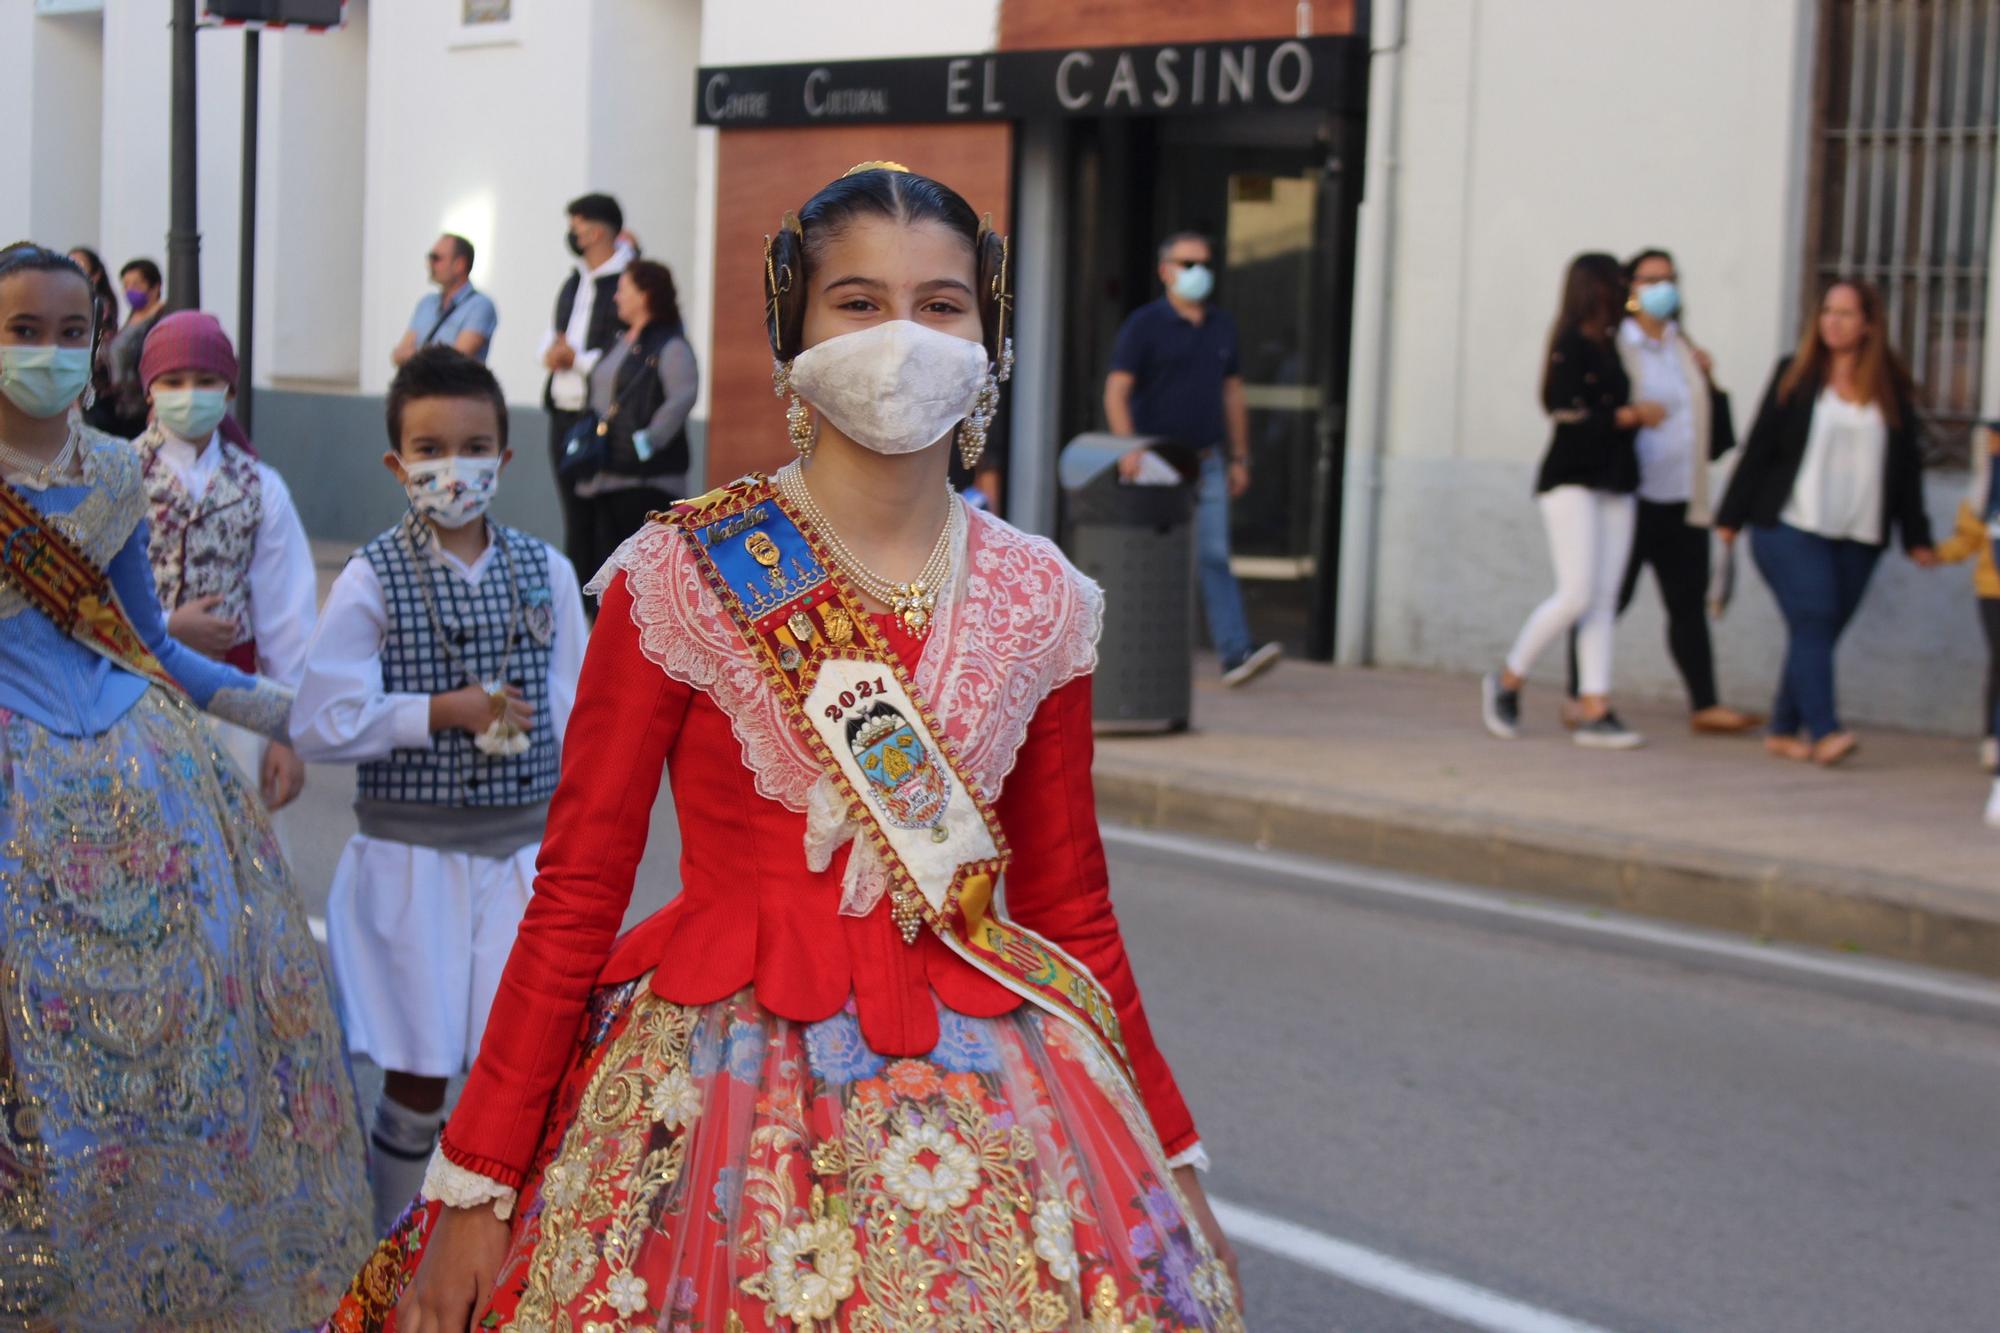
x=1907, y=100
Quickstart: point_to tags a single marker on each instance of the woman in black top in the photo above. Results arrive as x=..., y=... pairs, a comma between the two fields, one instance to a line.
x=1585, y=493
x=1832, y=466
x=642, y=390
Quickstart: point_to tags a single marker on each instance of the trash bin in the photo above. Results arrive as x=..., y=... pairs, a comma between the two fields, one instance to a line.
x=1137, y=541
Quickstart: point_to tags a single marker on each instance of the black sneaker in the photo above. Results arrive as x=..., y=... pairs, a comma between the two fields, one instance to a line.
x=1607, y=733
x=1501, y=707
x=1246, y=669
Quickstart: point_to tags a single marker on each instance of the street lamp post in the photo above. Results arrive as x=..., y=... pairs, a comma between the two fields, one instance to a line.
x=183, y=234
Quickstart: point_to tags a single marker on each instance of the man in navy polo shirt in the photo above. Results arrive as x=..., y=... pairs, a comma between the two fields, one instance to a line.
x=1174, y=373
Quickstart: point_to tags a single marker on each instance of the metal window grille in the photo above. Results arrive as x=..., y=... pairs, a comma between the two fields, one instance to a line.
x=1908, y=98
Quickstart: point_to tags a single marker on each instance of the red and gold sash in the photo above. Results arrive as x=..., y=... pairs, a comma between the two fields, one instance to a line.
x=858, y=711
x=60, y=581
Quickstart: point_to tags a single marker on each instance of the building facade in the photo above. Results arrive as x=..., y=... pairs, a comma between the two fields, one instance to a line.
x=1394, y=187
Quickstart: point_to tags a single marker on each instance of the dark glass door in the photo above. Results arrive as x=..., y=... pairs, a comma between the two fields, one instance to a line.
x=1269, y=191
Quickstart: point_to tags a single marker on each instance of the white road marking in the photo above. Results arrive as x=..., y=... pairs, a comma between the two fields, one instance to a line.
x=1499, y=903
x=1363, y=1267
x=317, y=925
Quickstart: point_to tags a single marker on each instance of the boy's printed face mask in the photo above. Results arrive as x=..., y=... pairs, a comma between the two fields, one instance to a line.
x=452, y=492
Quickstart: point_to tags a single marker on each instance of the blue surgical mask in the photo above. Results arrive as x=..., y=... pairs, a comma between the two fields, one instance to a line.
x=191, y=414
x=44, y=381
x=1661, y=300
x=1194, y=283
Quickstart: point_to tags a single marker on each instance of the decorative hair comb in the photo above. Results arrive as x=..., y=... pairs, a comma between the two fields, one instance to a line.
x=860, y=167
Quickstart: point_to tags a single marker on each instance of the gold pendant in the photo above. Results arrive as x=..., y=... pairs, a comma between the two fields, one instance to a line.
x=914, y=619
x=839, y=629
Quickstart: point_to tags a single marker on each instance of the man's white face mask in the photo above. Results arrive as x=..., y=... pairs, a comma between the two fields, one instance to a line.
x=894, y=388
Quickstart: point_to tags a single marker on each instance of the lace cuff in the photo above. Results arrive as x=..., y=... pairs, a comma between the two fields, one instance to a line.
x=264, y=708
x=455, y=1187
x=1193, y=1155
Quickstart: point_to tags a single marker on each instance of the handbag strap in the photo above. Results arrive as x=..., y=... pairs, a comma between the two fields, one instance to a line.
x=650, y=366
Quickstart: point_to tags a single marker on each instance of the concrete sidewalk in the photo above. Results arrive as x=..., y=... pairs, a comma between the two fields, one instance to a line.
x=1885, y=855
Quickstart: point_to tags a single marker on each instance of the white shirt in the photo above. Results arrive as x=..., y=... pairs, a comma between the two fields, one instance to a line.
x=344, y=715
x=570, y=389
x=1838, y=492
x=1666, y=451
x=284, y=586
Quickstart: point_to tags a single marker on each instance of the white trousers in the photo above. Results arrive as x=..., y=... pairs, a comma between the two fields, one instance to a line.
x=1590, y=539
x=418, y=939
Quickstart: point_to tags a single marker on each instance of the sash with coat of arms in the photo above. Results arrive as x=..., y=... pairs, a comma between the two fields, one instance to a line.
x=860, y=715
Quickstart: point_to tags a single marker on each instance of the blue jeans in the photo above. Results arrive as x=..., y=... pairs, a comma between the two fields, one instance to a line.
x=1818, y=582
x=1221, y=599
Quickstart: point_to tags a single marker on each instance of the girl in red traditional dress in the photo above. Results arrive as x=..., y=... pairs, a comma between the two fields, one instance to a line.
x=828, y=1088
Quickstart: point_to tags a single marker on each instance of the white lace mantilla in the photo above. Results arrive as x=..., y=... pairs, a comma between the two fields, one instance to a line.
x=1020, y=623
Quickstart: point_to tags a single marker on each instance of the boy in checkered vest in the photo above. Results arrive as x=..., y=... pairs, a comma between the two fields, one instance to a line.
x=444, y=664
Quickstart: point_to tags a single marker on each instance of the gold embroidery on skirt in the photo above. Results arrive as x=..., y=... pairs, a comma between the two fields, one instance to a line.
x=626, y=1146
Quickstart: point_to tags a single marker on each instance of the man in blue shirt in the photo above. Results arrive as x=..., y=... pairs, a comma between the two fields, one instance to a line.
x=1175, y=373
x=455, y=315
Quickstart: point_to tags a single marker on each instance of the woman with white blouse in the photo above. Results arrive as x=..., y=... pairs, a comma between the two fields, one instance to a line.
x=1831, y=468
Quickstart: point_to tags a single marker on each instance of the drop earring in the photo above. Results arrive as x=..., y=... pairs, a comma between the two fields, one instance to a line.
x=972, y=431
x=798, y=422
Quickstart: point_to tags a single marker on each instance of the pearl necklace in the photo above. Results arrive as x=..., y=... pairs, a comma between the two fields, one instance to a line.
x=40, y=475
x=915, y=601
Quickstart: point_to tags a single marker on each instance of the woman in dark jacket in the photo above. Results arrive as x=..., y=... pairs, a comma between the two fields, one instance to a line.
x=1585, y=493
x=1831, y=468
x=641, y=390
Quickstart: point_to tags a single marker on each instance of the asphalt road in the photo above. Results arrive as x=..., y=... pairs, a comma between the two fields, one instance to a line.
x=1563, y=1131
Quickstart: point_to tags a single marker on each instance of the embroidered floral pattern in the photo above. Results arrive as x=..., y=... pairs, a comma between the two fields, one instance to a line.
x=178, y=1140
x=1026, y=1196
x=202, y=548
x=929, y=1171
x=1055, y=1239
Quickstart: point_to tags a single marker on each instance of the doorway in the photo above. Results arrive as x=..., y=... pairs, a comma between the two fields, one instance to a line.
x=1276, y=194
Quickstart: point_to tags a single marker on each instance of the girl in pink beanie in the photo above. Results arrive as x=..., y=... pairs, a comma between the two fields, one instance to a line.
x=230, y=556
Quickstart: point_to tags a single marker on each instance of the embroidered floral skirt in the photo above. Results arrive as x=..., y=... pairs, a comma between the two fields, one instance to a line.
x=178, y=1142
x=717, y=1168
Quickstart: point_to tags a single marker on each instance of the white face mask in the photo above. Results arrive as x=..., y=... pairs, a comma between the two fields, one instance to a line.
x=451, y=492
x=894, y=388
x=191, y=414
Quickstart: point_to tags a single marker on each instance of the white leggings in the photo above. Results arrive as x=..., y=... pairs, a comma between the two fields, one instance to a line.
x=1590, y=539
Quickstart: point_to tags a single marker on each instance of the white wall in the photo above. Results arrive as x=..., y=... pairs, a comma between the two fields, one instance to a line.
x=51, y=66
x=64, y=118
x=311, y=184
x=1529, y=133
x=17, y=49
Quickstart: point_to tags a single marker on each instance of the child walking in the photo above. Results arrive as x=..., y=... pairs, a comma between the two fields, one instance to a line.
x=444, y=664
x=178, y=1141
x=230, y=558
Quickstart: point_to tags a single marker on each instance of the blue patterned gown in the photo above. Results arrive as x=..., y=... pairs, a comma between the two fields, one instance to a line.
x=178, y=1140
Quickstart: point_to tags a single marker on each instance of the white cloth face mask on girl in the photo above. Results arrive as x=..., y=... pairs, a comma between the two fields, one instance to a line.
x=894, y=388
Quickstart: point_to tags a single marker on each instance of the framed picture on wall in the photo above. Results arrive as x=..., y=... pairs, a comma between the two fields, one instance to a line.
x=487, y=22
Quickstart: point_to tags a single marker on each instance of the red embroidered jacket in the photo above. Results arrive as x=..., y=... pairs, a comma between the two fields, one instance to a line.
x=750, y=912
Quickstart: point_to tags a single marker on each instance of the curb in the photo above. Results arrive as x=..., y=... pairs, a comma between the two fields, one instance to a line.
x=1820, y=906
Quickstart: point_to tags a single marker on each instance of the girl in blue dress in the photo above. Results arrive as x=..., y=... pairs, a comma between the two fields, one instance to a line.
x=178, y=1140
